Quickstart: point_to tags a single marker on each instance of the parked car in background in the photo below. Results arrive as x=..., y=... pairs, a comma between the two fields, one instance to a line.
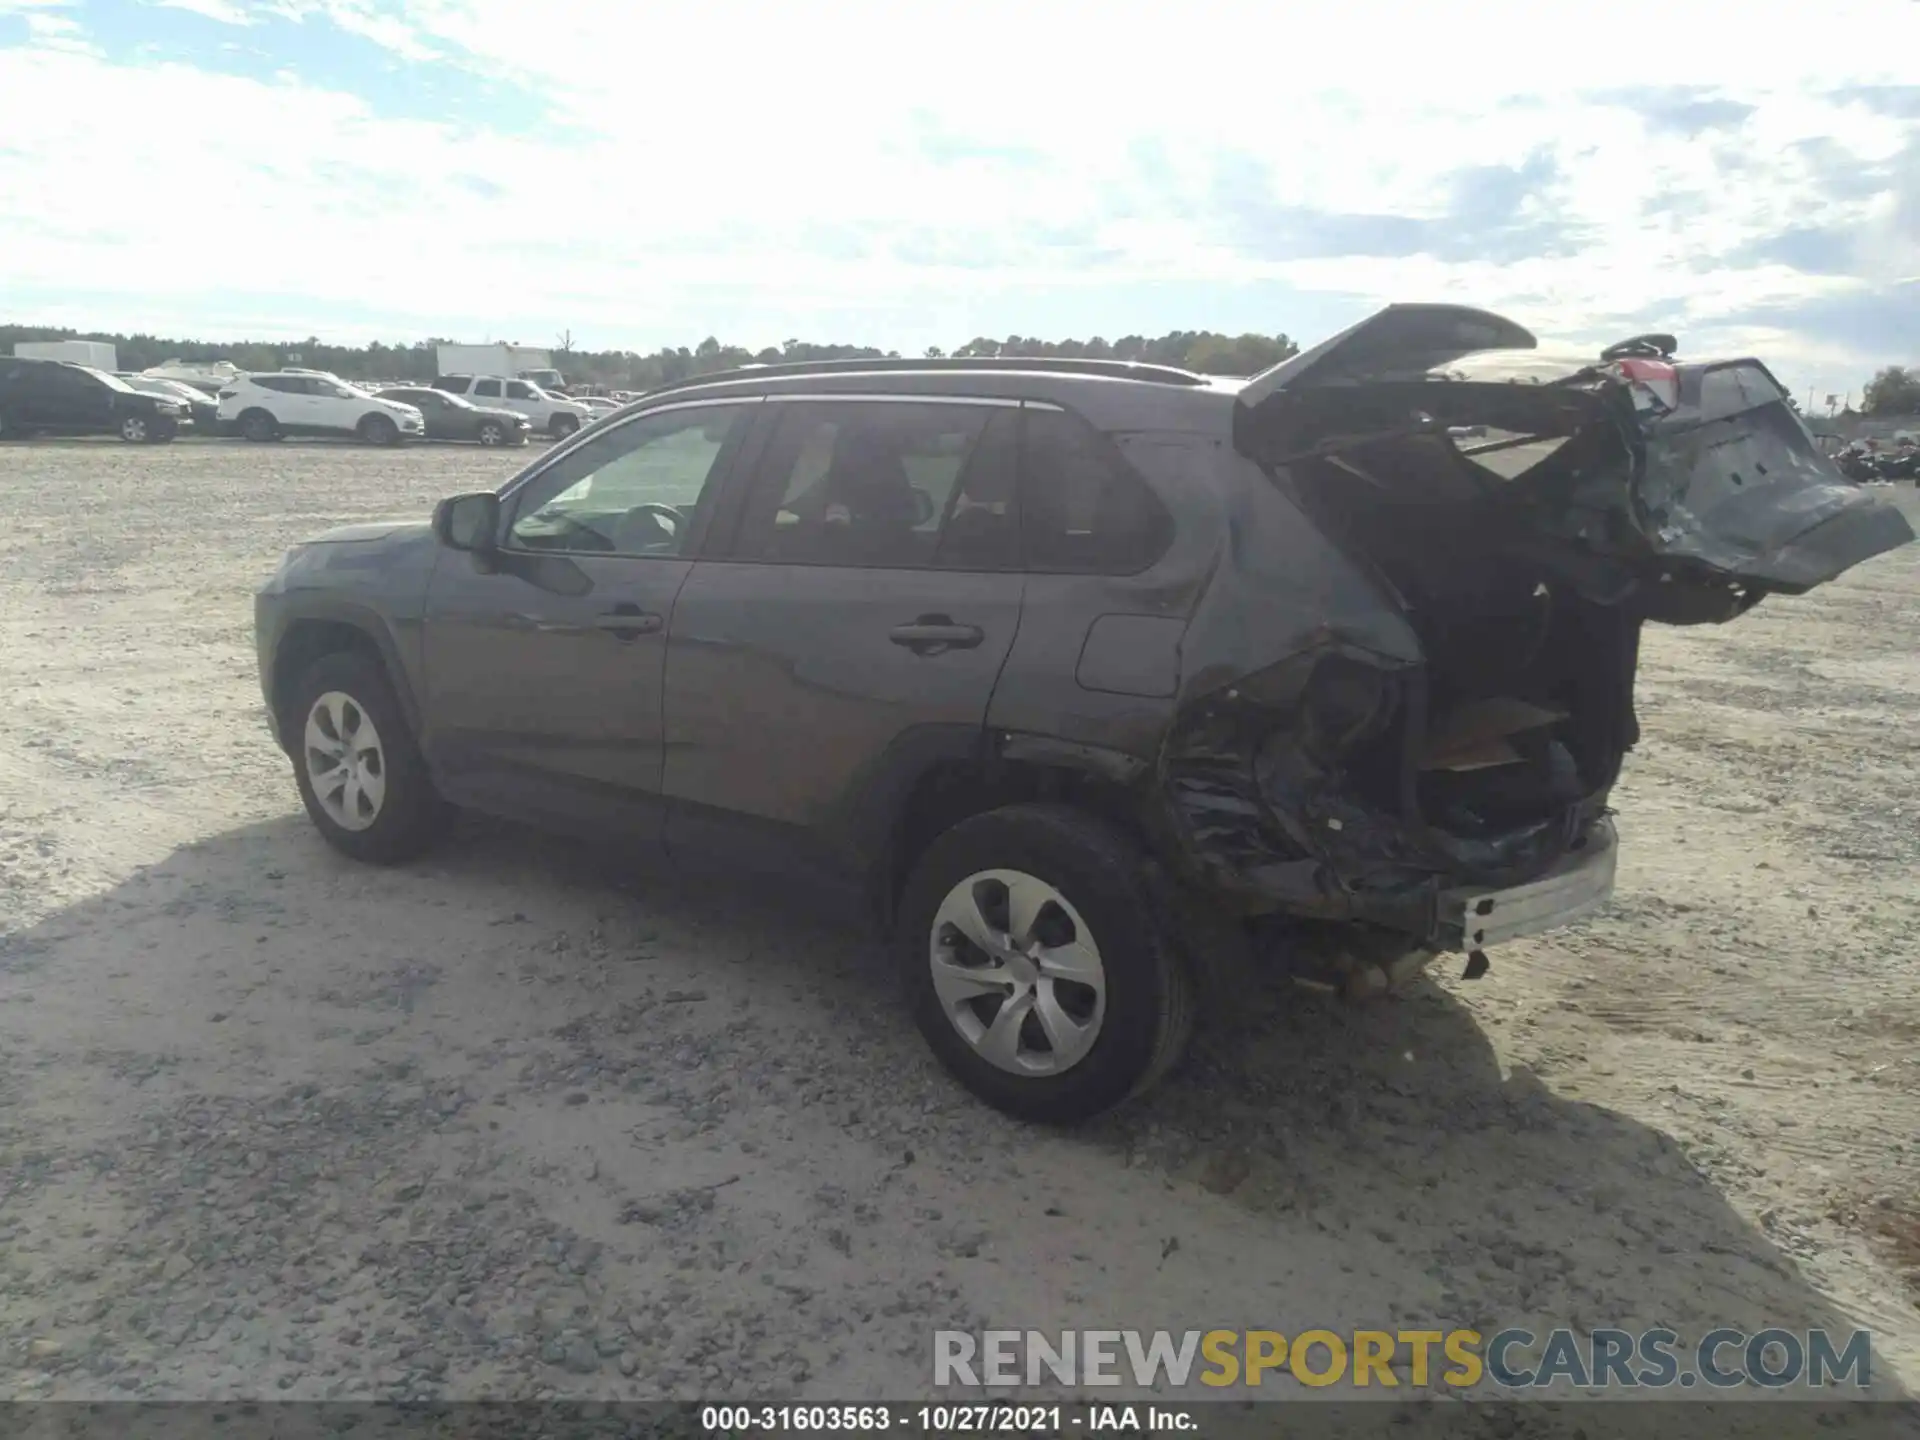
x=209, y=375
x=549, y=413
x=1083, y=675
x=54, y=397
x=204, y=408
x=453, y=417
x=598, y=404
x=313, y=402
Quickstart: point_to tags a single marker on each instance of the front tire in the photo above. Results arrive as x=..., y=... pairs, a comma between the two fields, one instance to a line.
x=1039, y=965
x=379, y=430
x=562, y=426
x=259, y=426
x=136, y=429
x=492, y=433
x=361, y=775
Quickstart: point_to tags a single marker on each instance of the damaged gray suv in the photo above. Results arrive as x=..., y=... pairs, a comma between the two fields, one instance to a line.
x=1077, y=672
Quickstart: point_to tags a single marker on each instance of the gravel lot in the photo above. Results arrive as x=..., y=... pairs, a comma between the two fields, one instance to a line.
x=516, y=1121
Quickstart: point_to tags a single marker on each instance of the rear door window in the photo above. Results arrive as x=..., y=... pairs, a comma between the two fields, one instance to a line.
x=1083, y=508
x=487, y=389
x=885, y=484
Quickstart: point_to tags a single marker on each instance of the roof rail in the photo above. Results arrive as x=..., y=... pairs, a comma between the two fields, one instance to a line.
x=960, y=364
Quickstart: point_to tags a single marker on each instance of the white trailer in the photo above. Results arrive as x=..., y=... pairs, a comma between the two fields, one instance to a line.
x=509, y=362
x=100, y=354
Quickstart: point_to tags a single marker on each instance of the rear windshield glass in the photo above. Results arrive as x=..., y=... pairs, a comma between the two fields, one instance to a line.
x=1522, y=367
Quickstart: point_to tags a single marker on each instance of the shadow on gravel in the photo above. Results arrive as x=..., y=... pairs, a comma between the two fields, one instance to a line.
x=1360, y=1139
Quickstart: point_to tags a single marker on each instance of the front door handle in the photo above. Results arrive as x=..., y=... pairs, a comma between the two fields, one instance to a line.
x=626, y=621
x=932, y=634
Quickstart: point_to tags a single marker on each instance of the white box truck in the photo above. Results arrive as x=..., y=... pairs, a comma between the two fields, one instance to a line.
x=100, y=354
x=508, y=362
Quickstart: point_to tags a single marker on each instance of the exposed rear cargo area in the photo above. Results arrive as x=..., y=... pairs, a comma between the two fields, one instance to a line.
x=1528, y=688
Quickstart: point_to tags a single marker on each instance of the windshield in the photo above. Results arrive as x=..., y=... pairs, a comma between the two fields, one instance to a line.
x=171, y=388
x=112, y=382
x=1521, y=367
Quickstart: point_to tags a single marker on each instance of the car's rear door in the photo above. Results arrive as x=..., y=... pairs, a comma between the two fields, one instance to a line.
x=74, y=401
x=543, y=666
x=490, y=394
x=295, y=405
x=850, y=629
x=30, y=395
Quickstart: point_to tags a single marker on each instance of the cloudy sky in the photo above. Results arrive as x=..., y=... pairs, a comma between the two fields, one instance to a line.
x=919, y=172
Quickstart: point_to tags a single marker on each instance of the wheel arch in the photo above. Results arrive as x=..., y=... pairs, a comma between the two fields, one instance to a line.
x=332, y=630
x=926, y=792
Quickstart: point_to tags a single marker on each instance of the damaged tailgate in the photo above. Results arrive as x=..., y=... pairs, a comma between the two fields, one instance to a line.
x=1698, y=483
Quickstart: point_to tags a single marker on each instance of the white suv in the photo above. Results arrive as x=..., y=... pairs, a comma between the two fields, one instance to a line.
x=312, y=402
x=558, y=417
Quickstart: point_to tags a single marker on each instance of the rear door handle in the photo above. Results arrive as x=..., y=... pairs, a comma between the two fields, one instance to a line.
x=931, y=634
x=627, y=621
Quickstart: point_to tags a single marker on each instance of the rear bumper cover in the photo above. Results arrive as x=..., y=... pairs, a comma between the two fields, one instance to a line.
x=1472, y=918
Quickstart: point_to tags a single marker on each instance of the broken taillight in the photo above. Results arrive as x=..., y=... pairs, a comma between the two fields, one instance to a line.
x=1655, y=384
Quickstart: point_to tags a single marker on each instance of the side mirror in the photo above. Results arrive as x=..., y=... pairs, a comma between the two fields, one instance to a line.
x=469, y=522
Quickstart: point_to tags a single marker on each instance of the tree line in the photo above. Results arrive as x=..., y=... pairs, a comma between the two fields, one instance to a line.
x=1895, y=390
x=1199, y=350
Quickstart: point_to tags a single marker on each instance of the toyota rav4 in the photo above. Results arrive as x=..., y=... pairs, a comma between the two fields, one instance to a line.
x=1081, y=673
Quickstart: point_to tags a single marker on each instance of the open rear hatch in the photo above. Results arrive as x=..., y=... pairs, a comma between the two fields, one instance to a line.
x=1696, y=487
x=1527, y=515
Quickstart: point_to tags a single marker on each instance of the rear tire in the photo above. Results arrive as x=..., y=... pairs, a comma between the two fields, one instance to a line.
x=562, y=426
x=360, y=772
x=1092, y=886
x=258, y=426
x=379, y=430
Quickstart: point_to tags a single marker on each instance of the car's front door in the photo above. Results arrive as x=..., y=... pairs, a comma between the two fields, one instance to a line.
x=849, y=632
x=439, y=418
x=522, y=397
x=543, y=665
x=335, y=407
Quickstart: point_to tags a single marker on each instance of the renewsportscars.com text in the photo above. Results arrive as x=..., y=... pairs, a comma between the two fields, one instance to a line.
x=1512, y=1359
